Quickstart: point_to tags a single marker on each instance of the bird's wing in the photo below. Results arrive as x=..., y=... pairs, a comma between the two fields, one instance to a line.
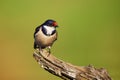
x=36, y=30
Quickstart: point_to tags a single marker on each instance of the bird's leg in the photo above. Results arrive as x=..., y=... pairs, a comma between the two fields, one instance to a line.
x=49, y=50
x=49, y=47
x=40, y=49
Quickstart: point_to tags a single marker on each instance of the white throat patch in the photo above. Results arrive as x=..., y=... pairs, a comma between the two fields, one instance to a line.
x=49, y=29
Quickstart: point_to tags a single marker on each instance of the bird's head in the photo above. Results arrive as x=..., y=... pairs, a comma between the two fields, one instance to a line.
x=51, y=23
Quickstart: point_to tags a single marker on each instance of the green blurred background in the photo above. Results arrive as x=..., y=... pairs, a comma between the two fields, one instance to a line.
x=89, y=33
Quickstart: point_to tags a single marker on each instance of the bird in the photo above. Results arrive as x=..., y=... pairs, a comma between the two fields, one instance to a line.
x=45, y=35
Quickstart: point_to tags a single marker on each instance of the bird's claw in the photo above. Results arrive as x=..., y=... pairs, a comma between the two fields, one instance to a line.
x=49, y=51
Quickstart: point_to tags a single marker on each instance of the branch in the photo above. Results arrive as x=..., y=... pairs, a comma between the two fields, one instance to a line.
x=66, y=70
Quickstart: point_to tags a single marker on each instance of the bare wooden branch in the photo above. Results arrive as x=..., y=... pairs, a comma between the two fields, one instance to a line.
x=68, y=71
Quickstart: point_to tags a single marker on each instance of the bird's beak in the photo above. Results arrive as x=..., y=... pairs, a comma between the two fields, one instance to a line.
x=55, y=24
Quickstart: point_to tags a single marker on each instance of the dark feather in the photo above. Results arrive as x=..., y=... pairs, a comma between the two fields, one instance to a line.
x=44, y=30
x=36, y=30
x=53, y=32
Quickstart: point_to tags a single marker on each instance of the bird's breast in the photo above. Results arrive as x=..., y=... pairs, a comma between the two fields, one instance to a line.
x=43, y=40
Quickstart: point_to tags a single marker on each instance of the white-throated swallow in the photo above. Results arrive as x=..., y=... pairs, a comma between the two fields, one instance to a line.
x=45, y=34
